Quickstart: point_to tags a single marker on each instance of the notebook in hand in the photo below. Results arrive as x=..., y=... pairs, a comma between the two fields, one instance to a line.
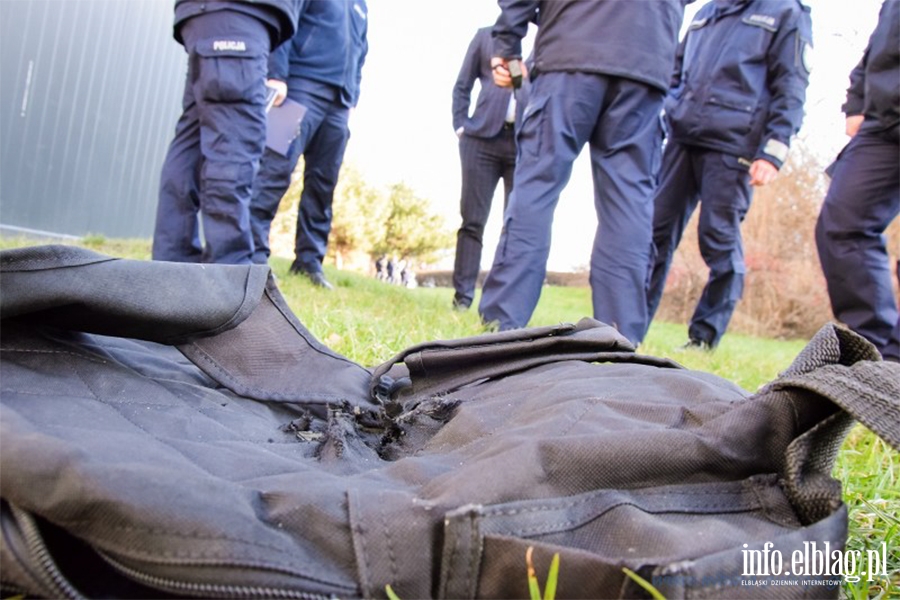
x=283, y=125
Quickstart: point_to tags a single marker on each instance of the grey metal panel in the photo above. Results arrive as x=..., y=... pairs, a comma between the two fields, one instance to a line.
x=90, y=91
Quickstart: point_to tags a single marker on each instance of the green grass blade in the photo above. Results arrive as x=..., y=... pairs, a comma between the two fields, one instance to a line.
x=644, y=584
x=552, y=577
x=534, y=588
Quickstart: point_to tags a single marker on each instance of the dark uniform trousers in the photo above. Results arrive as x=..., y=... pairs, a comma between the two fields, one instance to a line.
x=687, y=174
x=212, y=160
x=323, y=137
x=619, y=118
x=863, y=199
x=484, y=161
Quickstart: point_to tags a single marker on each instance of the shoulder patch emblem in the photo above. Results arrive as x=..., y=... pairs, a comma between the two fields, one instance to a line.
x=806, y=56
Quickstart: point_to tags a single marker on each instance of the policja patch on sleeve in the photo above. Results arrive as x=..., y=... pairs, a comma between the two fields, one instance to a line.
x=805, y=54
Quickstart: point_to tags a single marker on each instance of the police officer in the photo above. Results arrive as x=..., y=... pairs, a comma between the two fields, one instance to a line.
x=321, y=69
x=219, y=138
x=487, y=153
x=864, y=196
x=599, y=77
x=737, y=98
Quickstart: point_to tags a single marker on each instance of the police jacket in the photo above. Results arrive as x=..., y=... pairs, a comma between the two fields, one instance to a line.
x=280, y=14
x=740, y=78
x=493, y=101
x=875, y=83
x=329, y=47
x=633, y=38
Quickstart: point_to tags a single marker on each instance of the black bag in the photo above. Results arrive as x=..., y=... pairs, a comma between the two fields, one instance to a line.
x=174, y=430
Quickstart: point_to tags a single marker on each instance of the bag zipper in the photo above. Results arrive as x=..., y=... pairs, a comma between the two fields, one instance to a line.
x=207, y=589
x=57, y=586
x=47, y=572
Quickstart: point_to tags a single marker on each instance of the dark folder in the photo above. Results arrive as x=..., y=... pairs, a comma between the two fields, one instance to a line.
x=283, y=125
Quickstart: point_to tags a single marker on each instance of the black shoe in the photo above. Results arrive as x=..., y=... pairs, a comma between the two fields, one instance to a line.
x=490, y=326
x=316, y=277
x=698, y=345
x=461, y=305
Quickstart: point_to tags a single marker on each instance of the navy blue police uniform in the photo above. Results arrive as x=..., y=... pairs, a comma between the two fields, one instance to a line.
x=487, y=154
x=599, y=77
x=737, y=96
x=864, y=195
x=212, y=160
x=322, y=67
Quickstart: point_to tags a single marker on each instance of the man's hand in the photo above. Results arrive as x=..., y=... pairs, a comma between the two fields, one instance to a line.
x=500, y=70
x=853, y=123
x=762, y=172
x=280, y=88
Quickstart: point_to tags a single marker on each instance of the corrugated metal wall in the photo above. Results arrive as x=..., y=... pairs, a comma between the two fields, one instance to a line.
x=90, y=91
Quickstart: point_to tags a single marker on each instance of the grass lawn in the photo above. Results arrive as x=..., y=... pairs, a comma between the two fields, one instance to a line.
x=369, y=321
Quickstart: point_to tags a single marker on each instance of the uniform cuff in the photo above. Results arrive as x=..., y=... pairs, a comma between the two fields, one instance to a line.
x=774, y=151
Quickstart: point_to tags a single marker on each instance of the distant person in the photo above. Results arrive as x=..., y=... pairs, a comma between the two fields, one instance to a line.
x=390, y=269
x=864, y=196
x=208, y=171
x=321, y=68
x=600, y=73
x=406, y=276
x=487, y=153
x=400, y=271
x=737, y=98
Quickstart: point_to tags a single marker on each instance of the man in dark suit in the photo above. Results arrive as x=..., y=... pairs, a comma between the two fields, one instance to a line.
x=487, y=153
x=209, y=168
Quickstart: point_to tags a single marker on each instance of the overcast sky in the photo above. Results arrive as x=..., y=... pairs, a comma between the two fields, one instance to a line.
x=401, y=130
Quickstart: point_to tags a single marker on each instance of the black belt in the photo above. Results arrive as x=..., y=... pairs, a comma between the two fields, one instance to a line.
x=508, y=125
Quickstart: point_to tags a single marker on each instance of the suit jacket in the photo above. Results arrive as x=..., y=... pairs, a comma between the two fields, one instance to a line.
x=492, y=102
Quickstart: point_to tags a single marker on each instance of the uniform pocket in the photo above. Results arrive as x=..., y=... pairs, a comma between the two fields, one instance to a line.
x=529, y=135
x=230, y=70
x=729, y=117
x=221, y=171
x=730, y=103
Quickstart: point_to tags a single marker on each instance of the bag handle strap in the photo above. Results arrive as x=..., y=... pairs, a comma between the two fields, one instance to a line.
x=444, y=366
x=868, y=391
x=842, y=367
